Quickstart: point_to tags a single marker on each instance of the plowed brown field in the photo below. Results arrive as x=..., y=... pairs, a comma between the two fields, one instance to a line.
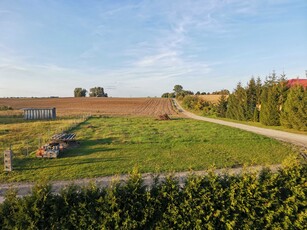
x=105, y=106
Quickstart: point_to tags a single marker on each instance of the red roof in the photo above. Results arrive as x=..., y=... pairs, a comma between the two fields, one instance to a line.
x=293, y=82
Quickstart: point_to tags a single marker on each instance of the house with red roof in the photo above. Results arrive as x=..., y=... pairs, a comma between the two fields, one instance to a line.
x=294, y=82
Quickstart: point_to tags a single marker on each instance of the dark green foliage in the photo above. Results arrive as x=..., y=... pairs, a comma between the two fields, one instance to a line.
x=178, y=93
x=256, y=115
x=294, y=112
x=184, y=93
x=79, y=92
x=97, y=92
x=248, y=201
x=178, y=89
x=237, y=104
x=258, y=91
x=168, y=95
x=251, y=93
x=221, y=92
x=165, y=95
x=221, y=107
x=270, y=109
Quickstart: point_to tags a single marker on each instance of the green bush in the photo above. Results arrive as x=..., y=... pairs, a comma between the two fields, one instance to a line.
x=294, y=111
x=247, y=201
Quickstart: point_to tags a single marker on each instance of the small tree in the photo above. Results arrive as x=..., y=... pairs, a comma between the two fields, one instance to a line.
x=237, y=104
x=177, y=89
x=79, y=92
x=222, y=106
x=269, y=113
x=251, y=92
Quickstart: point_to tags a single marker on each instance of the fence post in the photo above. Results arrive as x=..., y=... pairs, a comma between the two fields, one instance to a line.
x=8, y=157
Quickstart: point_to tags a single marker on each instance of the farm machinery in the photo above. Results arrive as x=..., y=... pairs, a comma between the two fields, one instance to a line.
x=58, y=143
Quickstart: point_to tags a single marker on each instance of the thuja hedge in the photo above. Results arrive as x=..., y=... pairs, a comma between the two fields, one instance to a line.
x=248, y=201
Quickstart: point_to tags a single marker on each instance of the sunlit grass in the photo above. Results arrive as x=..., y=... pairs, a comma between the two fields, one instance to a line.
x=26, y=136
x=116, y=145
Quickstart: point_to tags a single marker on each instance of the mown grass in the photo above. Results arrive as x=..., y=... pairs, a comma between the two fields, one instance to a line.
x=115, y=145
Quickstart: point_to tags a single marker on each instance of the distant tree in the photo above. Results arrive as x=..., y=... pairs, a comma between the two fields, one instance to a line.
x=271, y=79
x=168, y=95
x=294, y=112
x=165, y=95
x=178, y=89
x=184, y=93
x=79, y=92
x=188, y=92
x=221, y=107
x=97, y=92
x=171, y=95
x=197, y=93
x=203, y=93
x=221, y=92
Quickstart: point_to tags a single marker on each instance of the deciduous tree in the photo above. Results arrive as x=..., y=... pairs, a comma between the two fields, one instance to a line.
x=79, y=92
x=97, y=92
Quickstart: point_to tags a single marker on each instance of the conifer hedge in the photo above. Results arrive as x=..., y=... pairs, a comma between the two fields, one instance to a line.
x=248, y=201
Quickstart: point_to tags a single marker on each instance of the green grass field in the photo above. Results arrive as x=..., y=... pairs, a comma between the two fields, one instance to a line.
x=116, y=145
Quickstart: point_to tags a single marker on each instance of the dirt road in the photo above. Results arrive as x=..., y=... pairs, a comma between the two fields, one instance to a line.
x=297, y=139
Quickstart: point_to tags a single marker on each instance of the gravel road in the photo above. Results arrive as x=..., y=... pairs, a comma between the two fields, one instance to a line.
x=296, y=139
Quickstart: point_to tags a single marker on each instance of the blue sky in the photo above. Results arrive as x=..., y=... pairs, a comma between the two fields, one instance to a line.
x=144, y=48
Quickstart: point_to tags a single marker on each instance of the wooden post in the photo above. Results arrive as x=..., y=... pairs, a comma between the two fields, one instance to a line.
x=8, y=155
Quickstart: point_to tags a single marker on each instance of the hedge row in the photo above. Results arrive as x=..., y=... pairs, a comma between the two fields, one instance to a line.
x=248, y=201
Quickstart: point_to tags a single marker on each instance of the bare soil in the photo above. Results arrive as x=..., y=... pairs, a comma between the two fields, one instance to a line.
x=94, y=106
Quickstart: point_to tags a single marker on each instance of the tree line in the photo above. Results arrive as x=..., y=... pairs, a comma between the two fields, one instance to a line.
x=271, y=102
x=94, y=92
x=248, y=201
x=178, y=91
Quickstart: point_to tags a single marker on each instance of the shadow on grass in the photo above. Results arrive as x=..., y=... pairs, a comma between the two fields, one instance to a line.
x=178, y=118
x=87, y=147
x=77, y=152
